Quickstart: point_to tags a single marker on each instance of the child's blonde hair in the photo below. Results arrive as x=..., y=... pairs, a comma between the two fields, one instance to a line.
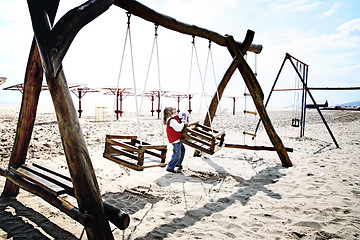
x=168, y=111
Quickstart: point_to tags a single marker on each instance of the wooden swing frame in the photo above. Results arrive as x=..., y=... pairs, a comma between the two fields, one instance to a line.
x=49, y=47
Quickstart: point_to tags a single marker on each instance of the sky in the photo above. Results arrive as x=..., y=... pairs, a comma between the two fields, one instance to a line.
x=323, y=34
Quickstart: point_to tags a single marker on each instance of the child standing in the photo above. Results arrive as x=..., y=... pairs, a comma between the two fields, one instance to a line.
x=174, y=126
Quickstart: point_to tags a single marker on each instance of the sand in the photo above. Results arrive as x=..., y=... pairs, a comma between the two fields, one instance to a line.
x=233, y=194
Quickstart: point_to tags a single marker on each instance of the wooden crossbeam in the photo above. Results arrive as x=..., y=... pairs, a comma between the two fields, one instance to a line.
x=251, y=134
x=256, y=148
x=250, y=112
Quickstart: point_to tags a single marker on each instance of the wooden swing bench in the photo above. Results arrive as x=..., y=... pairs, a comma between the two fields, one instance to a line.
x=133, y=153
x=202, y=137
x=54, y=187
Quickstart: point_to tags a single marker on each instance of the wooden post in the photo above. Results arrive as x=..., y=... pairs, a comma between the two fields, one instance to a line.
x=159, y=104
x=55, y=40
x=152, y=105
x=178, y=103
x=121, y=104
x=190, y=97
x=80, y=96
x=234, y=100
x=27, y=115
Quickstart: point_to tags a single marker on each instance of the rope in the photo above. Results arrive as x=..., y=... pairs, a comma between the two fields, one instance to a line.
x=148, y=70
x=128, y=36
x=121, y=65
x=216, y=86
x=203, y=84
x=160, y=92
x=155, y=46
x=134, y=82
x=191, y=60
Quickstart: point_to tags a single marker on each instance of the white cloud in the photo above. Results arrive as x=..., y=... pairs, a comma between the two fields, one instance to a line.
x=351, y=26
x=296, y=6
x=331, y=11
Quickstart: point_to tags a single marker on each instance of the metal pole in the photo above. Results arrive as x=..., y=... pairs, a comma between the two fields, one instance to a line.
x=317, y=107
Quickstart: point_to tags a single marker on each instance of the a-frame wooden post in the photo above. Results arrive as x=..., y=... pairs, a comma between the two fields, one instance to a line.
x=27, y=115
x=52, y=47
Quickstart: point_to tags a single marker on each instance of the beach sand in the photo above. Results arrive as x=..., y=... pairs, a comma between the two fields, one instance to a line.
x=233, y=194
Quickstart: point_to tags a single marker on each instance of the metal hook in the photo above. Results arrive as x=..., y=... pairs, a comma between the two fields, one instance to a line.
x=128, y=14
x=156, y=28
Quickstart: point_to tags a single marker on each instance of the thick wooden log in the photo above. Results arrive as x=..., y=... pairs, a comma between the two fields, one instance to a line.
x=257, y=96
x=27, y=115
x=117, y=216
x=150, y=15
x=29, y=103
x=256, y=148
x=81, y=170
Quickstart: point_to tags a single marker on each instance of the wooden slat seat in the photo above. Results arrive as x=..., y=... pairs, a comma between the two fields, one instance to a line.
x=133, y=153
x=50, y=184
x=202, y=138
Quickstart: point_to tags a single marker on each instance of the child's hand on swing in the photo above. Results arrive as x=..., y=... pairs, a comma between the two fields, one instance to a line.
x=184, y=118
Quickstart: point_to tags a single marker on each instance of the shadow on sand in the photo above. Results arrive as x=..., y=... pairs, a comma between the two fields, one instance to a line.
x=247, y=189
x=21, y=222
